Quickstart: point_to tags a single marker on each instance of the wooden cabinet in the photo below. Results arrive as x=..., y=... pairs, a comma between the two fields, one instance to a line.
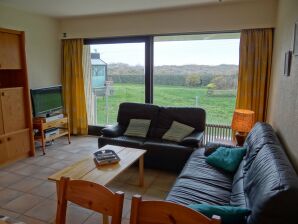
x=3, y=151
x=13, y=109
x=16, y=133
x=18, y=144
x=10, y=46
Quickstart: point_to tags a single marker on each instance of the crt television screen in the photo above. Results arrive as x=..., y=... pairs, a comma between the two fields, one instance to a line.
x=46, y=100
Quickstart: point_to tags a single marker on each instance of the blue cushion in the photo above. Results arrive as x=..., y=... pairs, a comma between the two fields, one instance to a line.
x=228, y=214
x=227, y=159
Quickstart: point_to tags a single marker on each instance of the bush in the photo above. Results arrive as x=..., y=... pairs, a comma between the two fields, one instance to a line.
x=193, y=80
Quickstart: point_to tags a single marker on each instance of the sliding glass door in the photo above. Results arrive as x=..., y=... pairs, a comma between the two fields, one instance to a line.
x=178, y=70
x=197, y=71
x=118, y=75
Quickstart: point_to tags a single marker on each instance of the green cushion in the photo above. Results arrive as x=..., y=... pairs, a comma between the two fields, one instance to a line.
x=227, y=159
x=138, y=128
x=228, y=214
x=177, y=132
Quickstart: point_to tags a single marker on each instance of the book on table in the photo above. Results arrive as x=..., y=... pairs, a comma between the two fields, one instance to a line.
x=106, y=156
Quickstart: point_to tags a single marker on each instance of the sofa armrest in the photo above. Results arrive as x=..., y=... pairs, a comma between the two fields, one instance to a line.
x=193, y=140
x=113, y=130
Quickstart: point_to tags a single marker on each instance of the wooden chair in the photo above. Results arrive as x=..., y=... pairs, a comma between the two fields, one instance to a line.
x=164, y=212
x=91, y=196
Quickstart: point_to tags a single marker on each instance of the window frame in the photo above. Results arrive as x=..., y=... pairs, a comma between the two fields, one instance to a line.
x=149, y=59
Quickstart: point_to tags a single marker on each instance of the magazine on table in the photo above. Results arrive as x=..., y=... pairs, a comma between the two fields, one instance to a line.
x=106, y=156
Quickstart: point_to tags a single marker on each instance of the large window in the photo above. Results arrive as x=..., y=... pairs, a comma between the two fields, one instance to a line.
x=183, y=70
x=197, y=71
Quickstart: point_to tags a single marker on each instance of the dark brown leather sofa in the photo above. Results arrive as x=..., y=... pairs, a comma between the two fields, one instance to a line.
x=161, y=154
x=265, y=181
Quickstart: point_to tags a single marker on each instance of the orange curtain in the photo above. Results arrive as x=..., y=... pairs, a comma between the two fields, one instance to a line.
x=73, y=85
x=256, y=47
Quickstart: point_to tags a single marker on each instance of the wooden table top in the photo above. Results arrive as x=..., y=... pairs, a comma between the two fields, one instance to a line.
x=86, y=169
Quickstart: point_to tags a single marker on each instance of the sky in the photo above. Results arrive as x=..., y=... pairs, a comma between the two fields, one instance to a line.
x=200, y=52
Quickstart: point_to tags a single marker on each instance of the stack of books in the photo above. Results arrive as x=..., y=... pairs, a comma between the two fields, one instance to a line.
x=107, y=156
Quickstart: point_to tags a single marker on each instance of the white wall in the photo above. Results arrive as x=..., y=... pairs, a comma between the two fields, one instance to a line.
x=283, y=104
x=42, y=44
x=221, y=17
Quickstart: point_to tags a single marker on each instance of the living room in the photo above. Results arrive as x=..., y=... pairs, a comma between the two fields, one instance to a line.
x=47, y=26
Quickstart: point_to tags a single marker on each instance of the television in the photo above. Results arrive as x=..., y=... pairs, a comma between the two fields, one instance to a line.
x=46, y=101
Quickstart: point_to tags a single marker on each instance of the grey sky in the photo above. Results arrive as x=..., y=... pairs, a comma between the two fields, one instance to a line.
x=201, y=52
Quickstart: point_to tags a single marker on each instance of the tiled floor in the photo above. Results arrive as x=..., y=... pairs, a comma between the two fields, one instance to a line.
x=27, y=195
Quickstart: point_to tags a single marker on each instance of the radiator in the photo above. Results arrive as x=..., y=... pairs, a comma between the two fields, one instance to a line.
x=217, y=132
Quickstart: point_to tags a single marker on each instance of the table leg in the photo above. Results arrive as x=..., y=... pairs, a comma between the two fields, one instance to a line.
x=43, y=143
x=141, y=171
x=57, y=189
x=105, y=219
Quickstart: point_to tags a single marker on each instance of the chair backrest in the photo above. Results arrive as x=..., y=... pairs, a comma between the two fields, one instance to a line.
x=165, y=212
x=91, y=196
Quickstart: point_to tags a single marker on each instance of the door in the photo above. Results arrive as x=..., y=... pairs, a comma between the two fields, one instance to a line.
x=10, y=57
x=18, y=144
x=13, y=109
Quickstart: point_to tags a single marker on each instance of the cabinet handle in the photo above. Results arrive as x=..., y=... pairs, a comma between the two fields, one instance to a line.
x=0, y=141
x=8, y=139
x=3, y=94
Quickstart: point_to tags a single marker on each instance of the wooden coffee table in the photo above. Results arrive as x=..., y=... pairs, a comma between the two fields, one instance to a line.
x=86, y=169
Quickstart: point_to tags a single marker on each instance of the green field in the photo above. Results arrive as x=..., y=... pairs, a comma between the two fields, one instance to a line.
x=219, y=107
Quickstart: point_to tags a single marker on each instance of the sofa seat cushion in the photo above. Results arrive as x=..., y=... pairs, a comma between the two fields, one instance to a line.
x=164, y=144
x=199, y=182
x=166, y=155
x=126, y=141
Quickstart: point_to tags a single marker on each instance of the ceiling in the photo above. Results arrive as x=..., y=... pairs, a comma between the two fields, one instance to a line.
x=70, y=8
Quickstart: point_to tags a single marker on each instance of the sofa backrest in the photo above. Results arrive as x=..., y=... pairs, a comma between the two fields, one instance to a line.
x=129, y=111
x=270, y=182
x=194, y=117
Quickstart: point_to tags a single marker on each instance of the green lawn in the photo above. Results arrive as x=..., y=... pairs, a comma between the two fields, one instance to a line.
x=219, y=107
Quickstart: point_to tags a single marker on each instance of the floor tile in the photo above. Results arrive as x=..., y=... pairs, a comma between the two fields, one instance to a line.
x=44, y=173
x=155, y=193
x=94, y=218
x=46, y=161
x=77, y=215
x=28, y=170
x=23, y=203
x=45, y=211
x=46, y=189
x=58, y=165
x=7, y=195
x=29, y=220
x=126, y=208
x=38, y=204
x=14, y=166
x=26, y=184
x=8, y=213
x=32, y=160
x=59, y=154
x=9, y=179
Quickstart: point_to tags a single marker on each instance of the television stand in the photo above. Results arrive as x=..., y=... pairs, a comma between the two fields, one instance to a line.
x=42, y=126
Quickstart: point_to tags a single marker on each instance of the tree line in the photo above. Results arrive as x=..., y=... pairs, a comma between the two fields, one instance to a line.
x=215, y=77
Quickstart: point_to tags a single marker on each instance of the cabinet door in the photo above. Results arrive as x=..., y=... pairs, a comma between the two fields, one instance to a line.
x=3, y=151
x=10, y=56
x=18, y=144
x=1, y=121
x=13, y=109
